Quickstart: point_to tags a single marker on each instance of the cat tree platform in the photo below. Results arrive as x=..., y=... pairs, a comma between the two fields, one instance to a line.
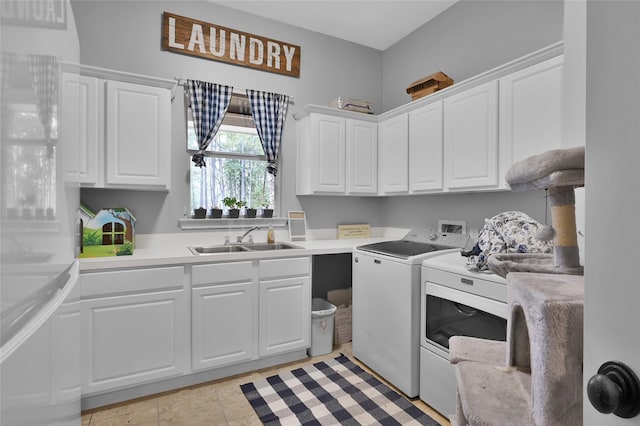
x=535, y=378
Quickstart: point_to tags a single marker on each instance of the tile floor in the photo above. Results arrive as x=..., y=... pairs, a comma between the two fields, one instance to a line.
x=216, y=403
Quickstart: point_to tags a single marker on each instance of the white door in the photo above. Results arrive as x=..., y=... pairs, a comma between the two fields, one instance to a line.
x=83, y=96
x=131, y=339
x=329, y=155
x=471, y=138
x=362, y=157
x=393, y=155
x=612, y=292
x=284, y=315
x=223, y=318
x=530, y=112
x=425, y=148
x=138, y=132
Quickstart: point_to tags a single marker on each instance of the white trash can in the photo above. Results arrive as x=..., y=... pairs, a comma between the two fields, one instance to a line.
x=322, y=317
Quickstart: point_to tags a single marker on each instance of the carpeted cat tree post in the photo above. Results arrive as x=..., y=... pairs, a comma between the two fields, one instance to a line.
x=535, y=377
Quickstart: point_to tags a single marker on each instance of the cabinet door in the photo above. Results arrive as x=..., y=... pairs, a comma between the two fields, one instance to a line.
x=362, y=157
x=471, y=138
x=138, y=132
x=425, y=148
x=393, y=155
x=285, y=315
x=223, y=324
x=329, y=155
x=80, y=116
x=132, y=339
x=530, y=112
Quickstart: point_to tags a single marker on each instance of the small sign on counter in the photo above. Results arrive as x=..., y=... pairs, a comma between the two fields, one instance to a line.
x=354, y=231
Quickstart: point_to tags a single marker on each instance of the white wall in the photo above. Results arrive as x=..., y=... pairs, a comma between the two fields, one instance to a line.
x=612, y=197
x=469, y=38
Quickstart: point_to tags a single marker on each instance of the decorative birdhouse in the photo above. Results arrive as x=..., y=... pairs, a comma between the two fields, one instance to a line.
x=109, y=232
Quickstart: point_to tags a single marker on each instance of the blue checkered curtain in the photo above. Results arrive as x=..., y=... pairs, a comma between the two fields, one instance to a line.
x=269, y=111
x=208, y=103
x=44, y=79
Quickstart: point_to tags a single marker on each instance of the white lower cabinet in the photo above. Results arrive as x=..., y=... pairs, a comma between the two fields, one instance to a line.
x=285, y=305
x=223, y=314
x=245, y=310
x=137, y=337
x=137, y=327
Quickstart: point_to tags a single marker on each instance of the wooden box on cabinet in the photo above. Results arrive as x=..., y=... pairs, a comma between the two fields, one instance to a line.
x=428, y=85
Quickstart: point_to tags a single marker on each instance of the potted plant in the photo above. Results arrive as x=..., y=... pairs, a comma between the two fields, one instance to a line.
x=232, y=204
x=216, y=212
x=250, y=212
x=266, y=211
x=200, y=213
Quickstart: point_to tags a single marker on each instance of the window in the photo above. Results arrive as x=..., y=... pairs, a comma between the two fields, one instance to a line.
x=112, y=233
x=29, y=167
x=236, y=163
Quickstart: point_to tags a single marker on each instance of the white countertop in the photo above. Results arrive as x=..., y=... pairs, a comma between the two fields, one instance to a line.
x=171, y=249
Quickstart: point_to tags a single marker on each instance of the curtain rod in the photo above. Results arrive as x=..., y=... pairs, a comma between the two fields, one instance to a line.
x=183, y=82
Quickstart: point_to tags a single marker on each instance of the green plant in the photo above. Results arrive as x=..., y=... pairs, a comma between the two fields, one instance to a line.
x=229, y=202
x=91, y=237
x=126, y=249
x=233, y=203
x=263, y=201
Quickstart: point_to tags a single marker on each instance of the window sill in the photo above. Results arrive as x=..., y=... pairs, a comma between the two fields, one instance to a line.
x=226, y=223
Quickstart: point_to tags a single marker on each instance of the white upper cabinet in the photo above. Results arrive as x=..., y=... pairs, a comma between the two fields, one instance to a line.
x=124, y=135
x=471, y=138
x=328, y=157
x=393, y=155
x=425, y=148
x=138, y=135
x=462, y=138
x=336, y=155
x=82, y=102
x=362, y=157
x=530, y=112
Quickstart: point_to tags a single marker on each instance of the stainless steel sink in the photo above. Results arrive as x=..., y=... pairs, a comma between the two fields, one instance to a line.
x=217, y=249
x=271, y=246
x=232, y=248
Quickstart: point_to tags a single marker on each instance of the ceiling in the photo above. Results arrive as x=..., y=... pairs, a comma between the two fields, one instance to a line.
x=377, y=24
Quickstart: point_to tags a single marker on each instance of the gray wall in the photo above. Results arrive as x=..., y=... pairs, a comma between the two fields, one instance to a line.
x=468, y=38
x=126, y=36
x=424, y=211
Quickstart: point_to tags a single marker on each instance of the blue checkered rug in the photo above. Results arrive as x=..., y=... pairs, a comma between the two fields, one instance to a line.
x=333, y=392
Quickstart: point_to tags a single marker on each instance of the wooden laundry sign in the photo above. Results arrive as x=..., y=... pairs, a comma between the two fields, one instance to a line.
x=197, y=38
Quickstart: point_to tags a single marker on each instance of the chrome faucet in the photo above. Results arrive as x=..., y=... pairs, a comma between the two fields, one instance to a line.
x=240, y=238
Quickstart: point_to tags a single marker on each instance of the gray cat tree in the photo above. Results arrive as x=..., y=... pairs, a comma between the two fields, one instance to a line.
x=535, y=377
x=559, y=171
